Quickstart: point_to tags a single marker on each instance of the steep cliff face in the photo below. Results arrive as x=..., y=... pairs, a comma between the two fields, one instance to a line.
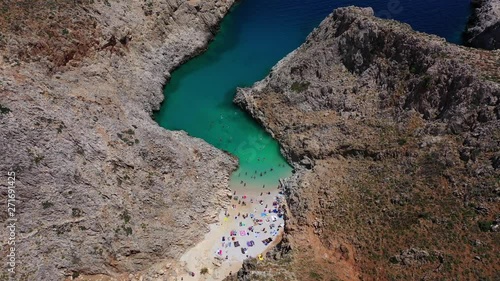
x=101, y=189
x=483, y=30
x=394, y=136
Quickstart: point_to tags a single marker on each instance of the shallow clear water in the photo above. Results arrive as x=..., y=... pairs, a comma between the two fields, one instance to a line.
x=253, y=37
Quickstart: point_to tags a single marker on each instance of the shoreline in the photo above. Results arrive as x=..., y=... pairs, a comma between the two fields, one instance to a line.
x=222, y=258
x=86, y=87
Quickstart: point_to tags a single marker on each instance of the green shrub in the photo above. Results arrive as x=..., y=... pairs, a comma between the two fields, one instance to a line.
x=402, y=141
x=484, y=226
x=75, y=212
x=300, y=87
x=393, y=260
x=60, y=129
x=4, y=110
x=125, y=216
x=128, y=230
x=427, y=82
x=37, y=159
x=315, y=275
x=413, y=70
x=47, y=204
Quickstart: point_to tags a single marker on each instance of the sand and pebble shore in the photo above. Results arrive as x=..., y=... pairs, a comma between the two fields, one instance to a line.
x=248, y=227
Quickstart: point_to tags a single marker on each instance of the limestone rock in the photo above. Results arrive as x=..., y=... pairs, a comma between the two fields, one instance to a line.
x=101, y=188
x=483, y=30
x=393, y=135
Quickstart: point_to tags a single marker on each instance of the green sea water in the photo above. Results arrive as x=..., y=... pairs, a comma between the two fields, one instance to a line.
x=198, y=100
x=251, y=39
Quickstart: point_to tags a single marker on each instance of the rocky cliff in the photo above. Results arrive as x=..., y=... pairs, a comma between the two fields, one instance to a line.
x=483, y=30
x=101, y=189
x=395, y=140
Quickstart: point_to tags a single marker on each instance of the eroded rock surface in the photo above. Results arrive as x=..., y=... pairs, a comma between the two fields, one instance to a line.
x=394, y=136
x=483, y=30
x=101, y=188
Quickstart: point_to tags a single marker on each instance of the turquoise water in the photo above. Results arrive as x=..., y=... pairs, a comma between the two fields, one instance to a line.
x=252, y=38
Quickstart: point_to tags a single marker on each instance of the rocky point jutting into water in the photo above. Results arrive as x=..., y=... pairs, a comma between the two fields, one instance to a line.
x=395, y=138
x=101, y=188
x=483, y=30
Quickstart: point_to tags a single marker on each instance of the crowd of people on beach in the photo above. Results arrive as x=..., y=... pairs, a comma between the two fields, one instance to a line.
x=260, y=225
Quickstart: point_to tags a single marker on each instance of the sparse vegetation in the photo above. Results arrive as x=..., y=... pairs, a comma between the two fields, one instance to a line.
x=400, y=186
x=204, y=271
x=49, y=24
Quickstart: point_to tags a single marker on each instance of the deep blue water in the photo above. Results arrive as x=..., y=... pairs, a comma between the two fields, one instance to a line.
x=253, y=37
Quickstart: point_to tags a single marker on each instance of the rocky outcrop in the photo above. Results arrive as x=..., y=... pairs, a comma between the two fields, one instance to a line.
x=100, y=187
x=483, y=30
x=394, y=137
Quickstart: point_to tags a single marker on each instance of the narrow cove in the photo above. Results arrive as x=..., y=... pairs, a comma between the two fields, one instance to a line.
x=251, y=39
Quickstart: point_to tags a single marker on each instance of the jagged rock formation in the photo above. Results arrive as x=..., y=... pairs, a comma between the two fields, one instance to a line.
x=483, y=30
x=101, y=188
x=395, y=140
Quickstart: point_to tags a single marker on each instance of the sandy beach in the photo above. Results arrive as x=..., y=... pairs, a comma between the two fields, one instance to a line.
x=249, y=227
